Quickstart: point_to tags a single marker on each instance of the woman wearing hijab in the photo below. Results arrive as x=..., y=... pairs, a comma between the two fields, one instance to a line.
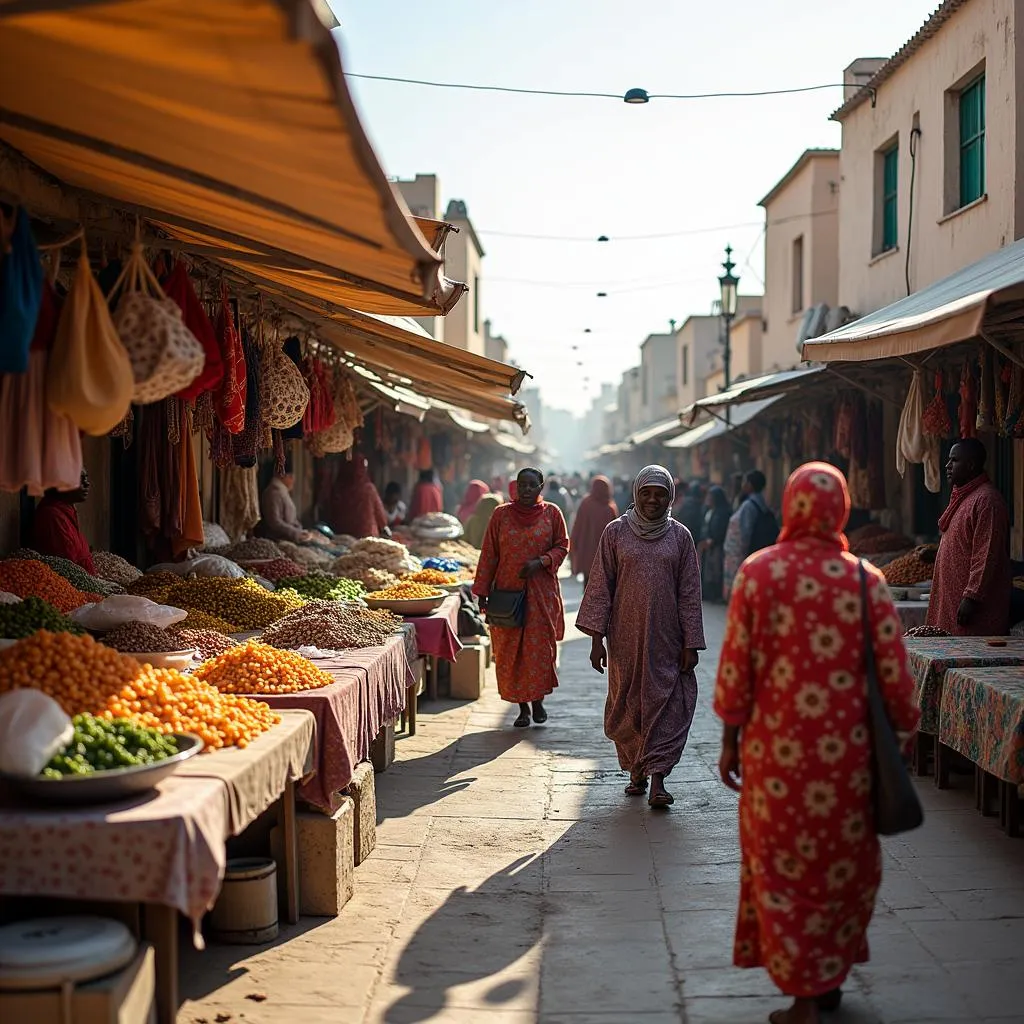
x=475, y=490
x=712, y=543
x=523, y=548
x=596, y=511
x=644, y=599
x=427, y=497
x=792, y=693
x=476, y=525
x=356, y=508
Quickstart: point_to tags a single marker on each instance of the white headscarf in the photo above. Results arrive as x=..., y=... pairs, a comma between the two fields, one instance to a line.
x=644, y=528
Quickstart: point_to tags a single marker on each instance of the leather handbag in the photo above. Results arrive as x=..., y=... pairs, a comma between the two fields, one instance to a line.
x=896, y=805
x=506, y=609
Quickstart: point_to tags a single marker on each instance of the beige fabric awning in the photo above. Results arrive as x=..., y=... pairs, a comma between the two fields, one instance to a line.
x=768, y=386
x=945, y=313
x=227, y=124
x=738, y=416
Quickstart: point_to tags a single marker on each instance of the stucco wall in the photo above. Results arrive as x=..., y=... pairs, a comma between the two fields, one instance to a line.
x=981, y=31
x=462, y=263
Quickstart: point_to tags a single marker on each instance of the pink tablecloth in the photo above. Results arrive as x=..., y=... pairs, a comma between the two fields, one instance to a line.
x=369, y=693
x=164, y=847
x=438, y=634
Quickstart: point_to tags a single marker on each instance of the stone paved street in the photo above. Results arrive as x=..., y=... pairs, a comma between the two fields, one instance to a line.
x=514, y=883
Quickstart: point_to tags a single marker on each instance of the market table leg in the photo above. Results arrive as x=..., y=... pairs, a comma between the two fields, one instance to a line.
x=986, y=790
x=409, y=715
x=290, y=846
x=1010, y=808
x=160, y=927
x=924, y=745
x=942, y=759
x=431, y=667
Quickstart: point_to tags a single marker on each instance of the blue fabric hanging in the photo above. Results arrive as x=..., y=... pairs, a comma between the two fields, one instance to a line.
x=21, y=292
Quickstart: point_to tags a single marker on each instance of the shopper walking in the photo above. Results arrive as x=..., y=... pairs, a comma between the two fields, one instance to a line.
x=596, y=511
x=792, y=693
x=476, y=525
x=524, y=546
x=475, y=490
x=712, y=543
x=427, y=497
x=643, y=599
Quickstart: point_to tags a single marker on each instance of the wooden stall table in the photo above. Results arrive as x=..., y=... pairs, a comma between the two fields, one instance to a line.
x=368, y=694
x=437, y=636
x=982, y=719
x=164, y=850
x=262, y=774
x=930, y=658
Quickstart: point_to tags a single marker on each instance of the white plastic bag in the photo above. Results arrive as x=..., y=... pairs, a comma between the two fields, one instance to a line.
x=121, y=608
x=8, y=598
x=203, y=565
x=33, y=728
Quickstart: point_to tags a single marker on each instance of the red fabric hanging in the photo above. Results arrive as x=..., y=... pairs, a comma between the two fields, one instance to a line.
x=935, y=419
x=230, y=402
x=178, y=287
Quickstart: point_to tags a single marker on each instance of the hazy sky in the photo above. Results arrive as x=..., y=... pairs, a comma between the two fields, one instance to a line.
x=580, y=168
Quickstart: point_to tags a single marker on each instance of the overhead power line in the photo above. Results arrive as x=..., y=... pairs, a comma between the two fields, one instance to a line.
x=583, y=94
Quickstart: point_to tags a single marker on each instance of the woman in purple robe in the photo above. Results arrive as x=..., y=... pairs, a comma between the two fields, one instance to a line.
x=644, y=598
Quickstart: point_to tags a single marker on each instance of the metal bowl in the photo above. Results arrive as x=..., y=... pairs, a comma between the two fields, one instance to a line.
x=419, y=606
x=105, y=786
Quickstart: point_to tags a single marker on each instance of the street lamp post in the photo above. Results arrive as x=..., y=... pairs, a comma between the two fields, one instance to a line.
x=729, y=285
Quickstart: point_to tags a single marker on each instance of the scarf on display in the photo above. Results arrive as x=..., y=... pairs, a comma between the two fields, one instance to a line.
x=644, y=528
x=956, y=499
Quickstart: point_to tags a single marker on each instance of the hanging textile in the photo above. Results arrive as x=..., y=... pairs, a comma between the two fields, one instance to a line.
x=231, y=397
x=21, y=292
x=968, y=401
x=1004, y=375
x=987, y=397
x=935, y=419
x=239, y=501
x=1015, y=399
x=246, y=444
x=844, y=427
x=178, y=288
x=39, y=448
x=912, y=446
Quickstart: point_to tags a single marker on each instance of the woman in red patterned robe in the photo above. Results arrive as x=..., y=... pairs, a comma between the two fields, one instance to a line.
x=525, y=544
x=792, y=692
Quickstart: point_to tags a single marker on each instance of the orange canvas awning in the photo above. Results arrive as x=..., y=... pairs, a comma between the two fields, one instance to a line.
x=227, y=124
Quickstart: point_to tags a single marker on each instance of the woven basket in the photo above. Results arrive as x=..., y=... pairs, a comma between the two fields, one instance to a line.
x=284, y=394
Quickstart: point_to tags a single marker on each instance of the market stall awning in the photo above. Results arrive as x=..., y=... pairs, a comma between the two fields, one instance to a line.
x=767, y=386
x=227, y=124
x=945, y=313
x=655, y=432
x=513, y=444
x=738, y=416
x=462, y=421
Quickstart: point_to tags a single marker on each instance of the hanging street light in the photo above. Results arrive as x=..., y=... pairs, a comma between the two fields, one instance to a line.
x=636, y=97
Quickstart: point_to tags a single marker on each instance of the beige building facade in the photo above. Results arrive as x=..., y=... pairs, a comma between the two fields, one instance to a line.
x=801, y=253
x=463, y=256
x=944, y=112
x=659, y=399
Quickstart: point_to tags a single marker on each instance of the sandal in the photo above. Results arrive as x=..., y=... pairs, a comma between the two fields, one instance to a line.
x=660, y=800
x=636, y=787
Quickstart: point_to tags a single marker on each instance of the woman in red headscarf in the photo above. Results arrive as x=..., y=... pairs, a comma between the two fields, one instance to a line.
x=475, y=490
x=596, y=511
x=524, y=546
x=356, y=508
x=427, y=497
x=793, y=695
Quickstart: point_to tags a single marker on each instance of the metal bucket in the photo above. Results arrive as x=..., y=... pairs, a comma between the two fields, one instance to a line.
x=245, y=913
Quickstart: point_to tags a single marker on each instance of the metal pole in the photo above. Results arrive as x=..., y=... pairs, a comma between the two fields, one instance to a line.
x=727, y=360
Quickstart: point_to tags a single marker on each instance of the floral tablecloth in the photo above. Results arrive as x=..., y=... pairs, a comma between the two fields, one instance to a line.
x=983, y=718
x=932, y=657
x=162, y=847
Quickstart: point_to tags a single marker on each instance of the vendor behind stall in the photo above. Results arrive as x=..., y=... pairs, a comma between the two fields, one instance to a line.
x=971, y=585
x=356, y=508
x=280, y=517
x=427, y=496
x=55, y=528
x=395, y=509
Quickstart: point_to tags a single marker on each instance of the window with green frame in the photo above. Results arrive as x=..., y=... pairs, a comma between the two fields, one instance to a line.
x=972, y=142
x=890, y=206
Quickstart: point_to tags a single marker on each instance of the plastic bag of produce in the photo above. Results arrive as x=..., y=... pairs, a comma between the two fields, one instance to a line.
x=33, y=727
x=203, y=565
x=121, y=608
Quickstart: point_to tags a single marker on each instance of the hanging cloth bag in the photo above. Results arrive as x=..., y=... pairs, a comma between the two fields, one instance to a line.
x=166, y=356
x=283, y=393
x=89, y=378
x=21, y=292
x=178, y=288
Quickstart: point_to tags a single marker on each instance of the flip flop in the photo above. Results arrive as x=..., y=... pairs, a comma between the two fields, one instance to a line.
x=660, y=800
x=636, y=787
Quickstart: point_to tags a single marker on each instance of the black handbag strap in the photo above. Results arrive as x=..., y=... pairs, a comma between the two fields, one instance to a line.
x=870, y=666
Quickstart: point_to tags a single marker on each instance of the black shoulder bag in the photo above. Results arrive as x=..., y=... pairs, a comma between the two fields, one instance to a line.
x=506, y=609
x=896, y=804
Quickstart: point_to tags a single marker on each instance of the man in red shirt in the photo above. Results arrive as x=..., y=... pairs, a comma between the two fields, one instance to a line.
x=55, y=529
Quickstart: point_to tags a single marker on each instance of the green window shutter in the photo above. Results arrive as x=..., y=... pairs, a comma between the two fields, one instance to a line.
x=890, y=195
x=972, y=142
